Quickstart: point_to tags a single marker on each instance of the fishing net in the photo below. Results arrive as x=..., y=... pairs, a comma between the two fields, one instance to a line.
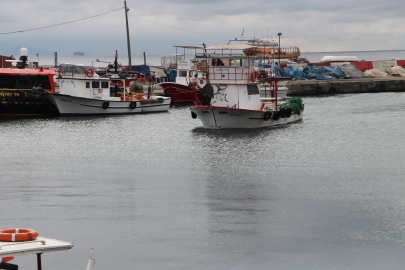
x=294, y=103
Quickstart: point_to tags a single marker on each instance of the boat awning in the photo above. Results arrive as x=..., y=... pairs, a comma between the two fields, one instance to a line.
x=16, y=71
x=40, y=245
x=231, y=47
x=190, y=47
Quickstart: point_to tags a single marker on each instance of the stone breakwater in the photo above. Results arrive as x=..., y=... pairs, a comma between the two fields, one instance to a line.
x=352, y=85
x=345, y=86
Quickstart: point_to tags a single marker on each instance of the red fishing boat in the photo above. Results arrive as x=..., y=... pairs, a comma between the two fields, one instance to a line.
x=187, y=81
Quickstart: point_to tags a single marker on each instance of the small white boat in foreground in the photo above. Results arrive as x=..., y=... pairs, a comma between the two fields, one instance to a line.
x=235, y=100
x=36, y=245
x=84, y=92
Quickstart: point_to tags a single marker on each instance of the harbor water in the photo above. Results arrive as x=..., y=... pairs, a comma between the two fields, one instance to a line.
x=158, y=191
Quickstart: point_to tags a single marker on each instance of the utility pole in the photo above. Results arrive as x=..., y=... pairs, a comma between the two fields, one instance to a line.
x=129, y=44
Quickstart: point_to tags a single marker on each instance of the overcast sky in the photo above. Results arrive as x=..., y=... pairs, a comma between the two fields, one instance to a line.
x=157, y=25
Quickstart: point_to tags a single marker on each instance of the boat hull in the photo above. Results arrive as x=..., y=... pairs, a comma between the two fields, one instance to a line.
x=180, y=92
x=38, y=105
x=220, y=117
x=70, y=105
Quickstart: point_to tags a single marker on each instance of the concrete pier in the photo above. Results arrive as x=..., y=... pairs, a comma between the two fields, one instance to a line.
x=344, y=86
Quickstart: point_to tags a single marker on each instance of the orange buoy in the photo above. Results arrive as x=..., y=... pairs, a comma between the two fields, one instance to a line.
x=253, y=77
x=89, y=72
x=18, y=235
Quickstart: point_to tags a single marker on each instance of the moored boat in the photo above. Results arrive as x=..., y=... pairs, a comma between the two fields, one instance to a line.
x=340, y=58
x=260, y=47
x=187, y=80
x=84, y=92
x=235, y=101
x=25, y=91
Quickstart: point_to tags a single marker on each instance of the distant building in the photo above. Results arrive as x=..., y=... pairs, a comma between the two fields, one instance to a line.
x=78, y=53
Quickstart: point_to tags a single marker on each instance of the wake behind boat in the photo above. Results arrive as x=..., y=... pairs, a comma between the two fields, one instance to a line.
x=84, y=92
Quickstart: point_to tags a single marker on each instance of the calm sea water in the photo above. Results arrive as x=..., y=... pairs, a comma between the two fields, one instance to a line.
x=158, y=191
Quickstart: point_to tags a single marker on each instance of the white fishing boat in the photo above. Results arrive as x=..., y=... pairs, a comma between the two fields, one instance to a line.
x=84, y=92
x=10, y=247
x=340, y=58
x=235, y=100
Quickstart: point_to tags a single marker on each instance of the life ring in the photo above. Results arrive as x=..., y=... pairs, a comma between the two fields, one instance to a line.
x=199, y=66
x=106, y=104
x=18, y=235
x=267, y=116
x=132, y=105
x=89, y=72
x=253, y=76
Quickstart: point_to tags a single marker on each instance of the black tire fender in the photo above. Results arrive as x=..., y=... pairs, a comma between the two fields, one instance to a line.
x=288, y=112
x=132, y=105
x=267, y=116
x=193, y=115
x=106, y=104
x=276, y=115
x=282, y=112
x=333, y=91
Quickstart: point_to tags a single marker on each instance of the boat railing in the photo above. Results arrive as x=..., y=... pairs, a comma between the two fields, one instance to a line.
x=219, y=54
x=236, y=75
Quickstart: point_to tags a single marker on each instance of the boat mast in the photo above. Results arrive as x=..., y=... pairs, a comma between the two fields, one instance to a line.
x=129, y=45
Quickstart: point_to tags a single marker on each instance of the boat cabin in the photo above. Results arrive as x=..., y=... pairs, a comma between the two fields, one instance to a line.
x=26, y=79
x=82, y=81
x=187, y=70
x=234, y=79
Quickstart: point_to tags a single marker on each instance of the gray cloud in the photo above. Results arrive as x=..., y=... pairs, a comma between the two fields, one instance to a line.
x=156, y=26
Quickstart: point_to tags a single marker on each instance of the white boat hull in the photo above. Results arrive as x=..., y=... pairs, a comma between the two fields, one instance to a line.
x=236, y=118
x=70, y=105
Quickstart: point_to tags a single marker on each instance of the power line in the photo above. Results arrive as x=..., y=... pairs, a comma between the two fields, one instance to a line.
x=21, y=31
x=179, y=28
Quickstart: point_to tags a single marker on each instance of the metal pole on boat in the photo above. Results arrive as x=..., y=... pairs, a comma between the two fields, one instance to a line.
x=279, y=53
x=129, y=45
x=39, y=261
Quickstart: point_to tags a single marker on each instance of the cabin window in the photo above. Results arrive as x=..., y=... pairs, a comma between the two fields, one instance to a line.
x=105, y=85
x=252, y=89
x=24, y=81
x=87, y=84
x=217, y=63
x=95, y=84
x=191, y=74
x=182, y=73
